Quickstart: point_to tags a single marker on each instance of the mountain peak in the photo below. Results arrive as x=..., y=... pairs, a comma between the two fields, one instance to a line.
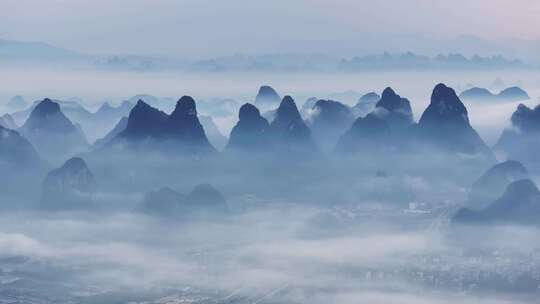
x=288, y=110
x=70, y=186
x=47, y=115
x=185, y=106
x=47, y=106
x=394, y=109
x=388, y=92
x=267, y=96
x=248, y=112
x=445, y=107
x=251, y=131
x=521, y=189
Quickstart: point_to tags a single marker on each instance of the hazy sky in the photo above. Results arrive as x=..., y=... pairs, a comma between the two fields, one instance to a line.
x=206, y=27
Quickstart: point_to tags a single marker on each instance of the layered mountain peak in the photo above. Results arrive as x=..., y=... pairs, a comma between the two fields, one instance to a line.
x=445, y=107
x=287, y=110
x=69, y=186
x=184, y=123
x=527, y=120
x=52, y=133
x=445, y=123
x=388, y=94
x=181, y=127
x=394, y=109
x=521, y=189
x=248, y=112
x=514, y=94
x=494, y=181
x=185, y=107
x=289, y=130
x=251, y=131
x=519, y=204
x=144, y=121
x=47, y=115
x=267, y=96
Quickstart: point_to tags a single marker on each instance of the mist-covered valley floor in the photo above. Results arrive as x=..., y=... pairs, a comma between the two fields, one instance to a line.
x=425, y=203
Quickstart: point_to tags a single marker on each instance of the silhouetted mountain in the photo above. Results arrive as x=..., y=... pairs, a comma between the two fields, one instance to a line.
x=493, y=182
x=445, y=123
x=267, y=97
x=507, y=95
x=526, y=120
x=367, y=134
x=328, y=121
x=52, y=133
x=476, y=93
x=520, y=204
x=251, y=130
x=144, y=122
x=16, y=151
x=365, y=104
x=184, y=125
x=118, y=128
x=393, y=109
x=288, y=131
x=203, y=202
x=181, y=129
x=7, y=122
x=522, y=137
x=513, y=94
x=73, y=110
x=69, y=187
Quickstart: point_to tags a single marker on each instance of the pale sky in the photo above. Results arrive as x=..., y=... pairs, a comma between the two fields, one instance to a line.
x=212, y=27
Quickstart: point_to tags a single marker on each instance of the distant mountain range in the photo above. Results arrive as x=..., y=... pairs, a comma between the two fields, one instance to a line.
x=18, y=53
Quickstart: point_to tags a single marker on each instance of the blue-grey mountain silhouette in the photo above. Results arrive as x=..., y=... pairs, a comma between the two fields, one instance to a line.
x=288, y=131
x=513, y=94
x=510, y=94
x=52, y=133
x=445, y=124
x=69, y=187
x=493, y=182
x=251, y=130
x=519, y=205
x=267, y=96
x=522, y=137
x=394, y=109
x=152, y=128
x=476, y=93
